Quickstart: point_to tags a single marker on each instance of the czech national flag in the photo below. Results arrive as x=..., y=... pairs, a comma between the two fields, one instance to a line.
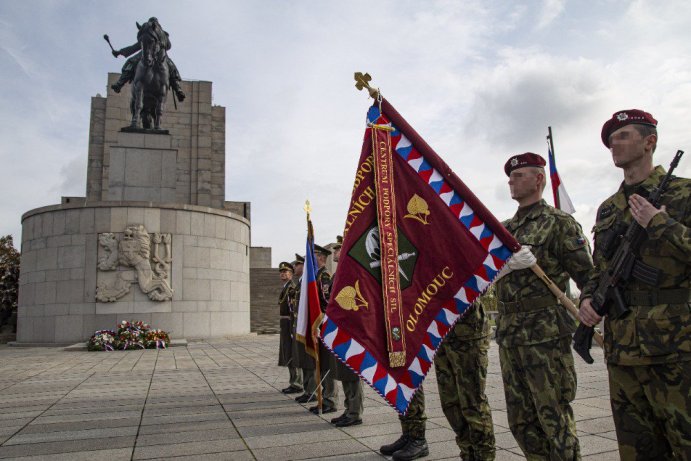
x=562, y=201
x=309, y=310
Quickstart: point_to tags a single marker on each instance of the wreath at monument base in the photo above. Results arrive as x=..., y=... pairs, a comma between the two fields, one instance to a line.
x=129, y=336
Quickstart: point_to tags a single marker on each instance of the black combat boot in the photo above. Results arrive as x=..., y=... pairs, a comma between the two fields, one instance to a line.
x=392, y=448
x=416, y=448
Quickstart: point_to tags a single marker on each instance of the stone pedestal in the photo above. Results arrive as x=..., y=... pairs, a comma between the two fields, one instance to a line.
x=153, y=240
x=143, y=167
x=209, y=272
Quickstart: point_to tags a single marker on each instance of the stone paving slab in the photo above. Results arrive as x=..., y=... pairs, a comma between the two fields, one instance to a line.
x=221, y=400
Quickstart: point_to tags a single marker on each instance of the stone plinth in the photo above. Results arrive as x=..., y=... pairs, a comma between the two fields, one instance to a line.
x=209, y=271
x=143, y=167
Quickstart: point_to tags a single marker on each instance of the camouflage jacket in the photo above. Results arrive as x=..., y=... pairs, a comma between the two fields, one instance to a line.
x=557, y=241
x=324, y=285
x=286, y=300
x=649, y=334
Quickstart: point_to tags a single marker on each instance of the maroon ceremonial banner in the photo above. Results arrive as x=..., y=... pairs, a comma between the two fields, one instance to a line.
x=418, y=248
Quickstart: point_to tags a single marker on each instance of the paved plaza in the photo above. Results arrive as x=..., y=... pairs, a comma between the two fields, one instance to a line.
x=221, y=400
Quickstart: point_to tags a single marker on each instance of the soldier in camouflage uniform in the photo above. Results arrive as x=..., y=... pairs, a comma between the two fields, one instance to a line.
x=461, y=368
x=648, y=349
x=412, y=443
x=303, y=360
x=329, y=389
x=533, y=330
x=352, y=386
x=287, y=306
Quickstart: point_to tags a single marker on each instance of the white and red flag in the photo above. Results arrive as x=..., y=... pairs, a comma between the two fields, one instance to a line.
x=562, y=201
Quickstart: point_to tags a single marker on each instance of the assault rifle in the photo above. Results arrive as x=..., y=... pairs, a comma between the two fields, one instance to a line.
x=608, y=298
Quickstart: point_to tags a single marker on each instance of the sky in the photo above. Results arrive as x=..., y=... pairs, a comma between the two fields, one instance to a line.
x=480, y=81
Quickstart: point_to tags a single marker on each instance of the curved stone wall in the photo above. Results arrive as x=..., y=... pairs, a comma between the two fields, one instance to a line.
x=206, y=263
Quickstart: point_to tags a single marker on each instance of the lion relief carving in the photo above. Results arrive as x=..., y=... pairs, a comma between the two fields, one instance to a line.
x=148, y=255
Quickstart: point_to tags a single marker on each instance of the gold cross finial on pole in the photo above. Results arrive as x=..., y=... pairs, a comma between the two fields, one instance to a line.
x=362, y=81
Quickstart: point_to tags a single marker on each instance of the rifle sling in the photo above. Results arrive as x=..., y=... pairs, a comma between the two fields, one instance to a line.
x=657, y=297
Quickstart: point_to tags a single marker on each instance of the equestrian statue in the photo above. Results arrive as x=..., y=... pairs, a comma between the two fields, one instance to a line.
x=151, y=72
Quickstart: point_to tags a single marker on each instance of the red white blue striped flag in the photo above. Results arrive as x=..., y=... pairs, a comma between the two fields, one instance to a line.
x=309, y=309
x=562, y=201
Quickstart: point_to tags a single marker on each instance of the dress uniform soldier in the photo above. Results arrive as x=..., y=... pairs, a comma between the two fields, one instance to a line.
x=303, y=360
x=648, y=348
x=352, y=386
x=461, y=369
x=330, y=391
x=286, y=305
x=533, y=330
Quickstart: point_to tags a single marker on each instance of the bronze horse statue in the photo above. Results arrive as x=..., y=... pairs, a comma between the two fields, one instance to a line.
x=150, y=84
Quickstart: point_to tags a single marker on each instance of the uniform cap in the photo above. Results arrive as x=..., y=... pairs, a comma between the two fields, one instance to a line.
x=623, y=118
x=339, y=242
x=285, y=266
x=523, y=160
x=299, y=259
x=321, y=250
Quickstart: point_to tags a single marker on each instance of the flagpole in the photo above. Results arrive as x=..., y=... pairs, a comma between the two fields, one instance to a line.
x=317, y=370
x=557, y=204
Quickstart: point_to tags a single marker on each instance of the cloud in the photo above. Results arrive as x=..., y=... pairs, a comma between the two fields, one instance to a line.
x=551, y=9
x=479, y=80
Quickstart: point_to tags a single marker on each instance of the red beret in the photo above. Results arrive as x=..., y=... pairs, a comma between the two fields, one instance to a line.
x=523, y=160
x=623, y=118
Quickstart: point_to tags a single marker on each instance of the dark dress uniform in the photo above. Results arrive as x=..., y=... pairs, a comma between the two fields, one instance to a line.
x=286, y=304
x=302, y=359
x=326, y=361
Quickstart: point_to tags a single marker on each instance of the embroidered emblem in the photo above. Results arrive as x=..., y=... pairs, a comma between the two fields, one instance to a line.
x=418, y=209
x=514, y=161
x=621, y=116
x=350, y=298
x=367, y=252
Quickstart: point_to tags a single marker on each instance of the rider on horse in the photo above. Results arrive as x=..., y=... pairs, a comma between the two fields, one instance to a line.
x=128, y=69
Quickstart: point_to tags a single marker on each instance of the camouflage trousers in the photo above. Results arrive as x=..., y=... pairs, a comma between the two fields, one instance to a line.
x=650, y=407
x=539, y=384
x=461, y=368
x=414, y=422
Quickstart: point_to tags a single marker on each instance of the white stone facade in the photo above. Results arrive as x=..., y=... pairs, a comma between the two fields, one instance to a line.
x=210, y=272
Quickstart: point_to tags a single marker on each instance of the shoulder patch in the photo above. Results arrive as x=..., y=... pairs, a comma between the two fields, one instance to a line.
x=604, y=212
x=575, y=243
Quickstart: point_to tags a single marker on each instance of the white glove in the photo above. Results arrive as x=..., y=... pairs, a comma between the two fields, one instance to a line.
x=522, y=259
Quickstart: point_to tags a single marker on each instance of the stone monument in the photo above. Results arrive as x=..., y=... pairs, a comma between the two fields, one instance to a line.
x=153, y=240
